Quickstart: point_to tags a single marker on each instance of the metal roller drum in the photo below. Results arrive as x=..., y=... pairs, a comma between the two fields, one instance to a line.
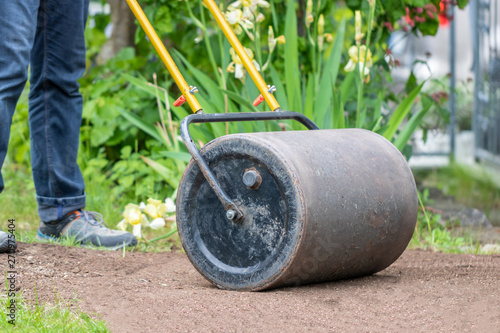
x=317, y=206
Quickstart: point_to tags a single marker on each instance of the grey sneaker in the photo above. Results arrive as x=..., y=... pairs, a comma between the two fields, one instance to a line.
x=7, y=242
x=87, y=228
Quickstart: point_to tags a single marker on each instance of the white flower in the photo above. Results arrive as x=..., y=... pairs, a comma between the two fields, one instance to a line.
x=157, y=223
x=361, y=61
x=155, y=208
x=132, y=214
x=238, y=21
x=122, y=225
x=170, y=205
x=249, y=6
x=135, y=217
x=136, y=231
x=236, y=66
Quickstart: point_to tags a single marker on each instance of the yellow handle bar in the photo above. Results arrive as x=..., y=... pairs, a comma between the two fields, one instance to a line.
x=164, y=55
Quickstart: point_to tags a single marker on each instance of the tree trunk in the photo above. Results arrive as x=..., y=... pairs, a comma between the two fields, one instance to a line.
x=123, y=33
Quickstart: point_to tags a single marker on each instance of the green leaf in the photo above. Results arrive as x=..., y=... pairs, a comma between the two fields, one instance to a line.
x=348, y=86
x=292, y=73
x=409, y=128
x=240, y=100
x=401, y=112
x=429, y=27
x=338, y=111
x=100, y=134
x=163, y=171
x=177, y=155
x=329, y=77
x=378, y=106
x=144, y=85
x=163, y=20
x=138, y=122
x=411, y=83
x=310, y=97
x=280, y=89
x=125, y=152
x=462, y=3
x=416, y=3
x=376, y=127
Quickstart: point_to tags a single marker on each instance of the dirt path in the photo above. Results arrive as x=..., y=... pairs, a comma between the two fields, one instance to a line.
x=162, y=292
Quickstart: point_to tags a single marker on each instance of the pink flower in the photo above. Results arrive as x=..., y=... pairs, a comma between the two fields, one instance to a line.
x=419, y=19
x=430, y=7
x=389, y=26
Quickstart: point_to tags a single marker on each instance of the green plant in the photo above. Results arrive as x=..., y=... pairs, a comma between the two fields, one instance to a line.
x=432, y=234
x=317, y=94
x=46, y=317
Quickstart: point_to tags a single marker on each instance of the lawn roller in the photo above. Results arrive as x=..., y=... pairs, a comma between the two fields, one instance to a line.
x=263, y=210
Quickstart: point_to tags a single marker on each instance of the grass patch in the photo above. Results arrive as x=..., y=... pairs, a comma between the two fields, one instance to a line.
x=432, y=234
x=47, y=318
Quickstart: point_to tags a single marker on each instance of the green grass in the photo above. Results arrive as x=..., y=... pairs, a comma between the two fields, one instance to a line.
x=59, y=317
x=432, y=234
x=18, y=201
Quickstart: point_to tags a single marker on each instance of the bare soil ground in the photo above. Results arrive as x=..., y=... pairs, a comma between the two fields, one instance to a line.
x=162, y=292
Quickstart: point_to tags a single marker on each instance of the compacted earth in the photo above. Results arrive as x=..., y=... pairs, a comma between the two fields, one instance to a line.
x=422, y=291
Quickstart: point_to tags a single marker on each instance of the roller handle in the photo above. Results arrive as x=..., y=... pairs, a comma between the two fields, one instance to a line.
x=200, y=117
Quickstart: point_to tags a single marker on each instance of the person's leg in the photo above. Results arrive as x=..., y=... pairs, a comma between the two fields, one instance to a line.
x=57, y=62
x=17, y=27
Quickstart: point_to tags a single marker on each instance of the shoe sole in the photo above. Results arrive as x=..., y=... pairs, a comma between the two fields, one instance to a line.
x=50, y=239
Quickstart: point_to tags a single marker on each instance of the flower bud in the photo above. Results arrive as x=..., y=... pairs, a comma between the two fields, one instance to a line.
x=271, y=41
x=309, y=15
x=281, y=40
x=358, y=36
x=321, y=25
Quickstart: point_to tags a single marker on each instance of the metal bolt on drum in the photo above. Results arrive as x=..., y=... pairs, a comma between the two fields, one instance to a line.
x=331, y=204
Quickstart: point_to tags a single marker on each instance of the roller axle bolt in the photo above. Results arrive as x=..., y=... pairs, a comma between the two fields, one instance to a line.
x=252, y=179
x=230, y=214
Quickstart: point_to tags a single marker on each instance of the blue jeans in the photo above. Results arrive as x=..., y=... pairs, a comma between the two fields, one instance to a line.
x=48, y=36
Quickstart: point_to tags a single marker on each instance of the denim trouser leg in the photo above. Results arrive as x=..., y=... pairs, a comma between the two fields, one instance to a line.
x=17, y=33
x=57, y=61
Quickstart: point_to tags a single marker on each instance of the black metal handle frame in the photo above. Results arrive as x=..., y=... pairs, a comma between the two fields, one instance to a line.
x=232, y=211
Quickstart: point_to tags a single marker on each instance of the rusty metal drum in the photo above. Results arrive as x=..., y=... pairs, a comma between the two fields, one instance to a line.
x=317, y=206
